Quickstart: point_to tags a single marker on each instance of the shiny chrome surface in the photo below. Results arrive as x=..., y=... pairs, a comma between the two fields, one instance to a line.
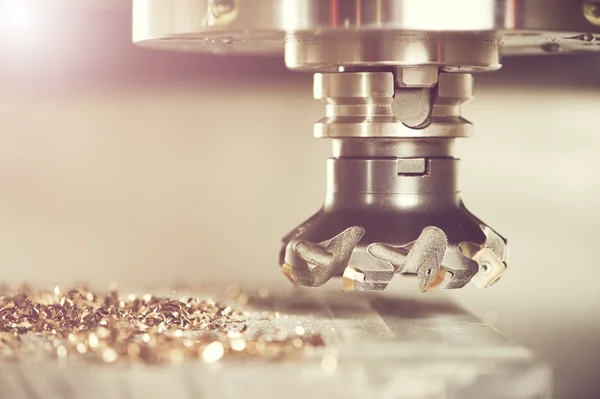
x=307, y=27
x=370, y=104
x=448, y=50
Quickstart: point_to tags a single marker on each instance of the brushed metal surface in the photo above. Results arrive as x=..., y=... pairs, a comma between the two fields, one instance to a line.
x=376, y=346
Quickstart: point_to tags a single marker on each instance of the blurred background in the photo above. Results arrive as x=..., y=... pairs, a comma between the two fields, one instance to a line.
x=142, y=167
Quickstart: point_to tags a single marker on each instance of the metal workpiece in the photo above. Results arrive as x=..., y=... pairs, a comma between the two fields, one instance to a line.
x=294, y=344
x=324, y=35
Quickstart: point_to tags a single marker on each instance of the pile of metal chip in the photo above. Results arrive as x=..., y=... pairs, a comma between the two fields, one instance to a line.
x=80, y=323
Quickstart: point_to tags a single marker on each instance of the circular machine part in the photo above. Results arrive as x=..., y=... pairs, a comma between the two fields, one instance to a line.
x=370, y=229
x=392, y=204
x=363, y=104
x=328, y=34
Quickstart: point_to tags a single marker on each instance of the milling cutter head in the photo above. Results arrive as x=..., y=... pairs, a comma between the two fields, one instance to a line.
x=392, y=205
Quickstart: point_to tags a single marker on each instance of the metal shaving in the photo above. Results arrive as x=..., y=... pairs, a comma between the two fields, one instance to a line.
x=79, y=323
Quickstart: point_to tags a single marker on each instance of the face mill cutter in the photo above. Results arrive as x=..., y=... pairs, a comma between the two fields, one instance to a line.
x=392, y=75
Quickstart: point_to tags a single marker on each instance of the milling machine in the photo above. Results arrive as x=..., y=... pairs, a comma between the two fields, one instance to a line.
x=393, y=75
